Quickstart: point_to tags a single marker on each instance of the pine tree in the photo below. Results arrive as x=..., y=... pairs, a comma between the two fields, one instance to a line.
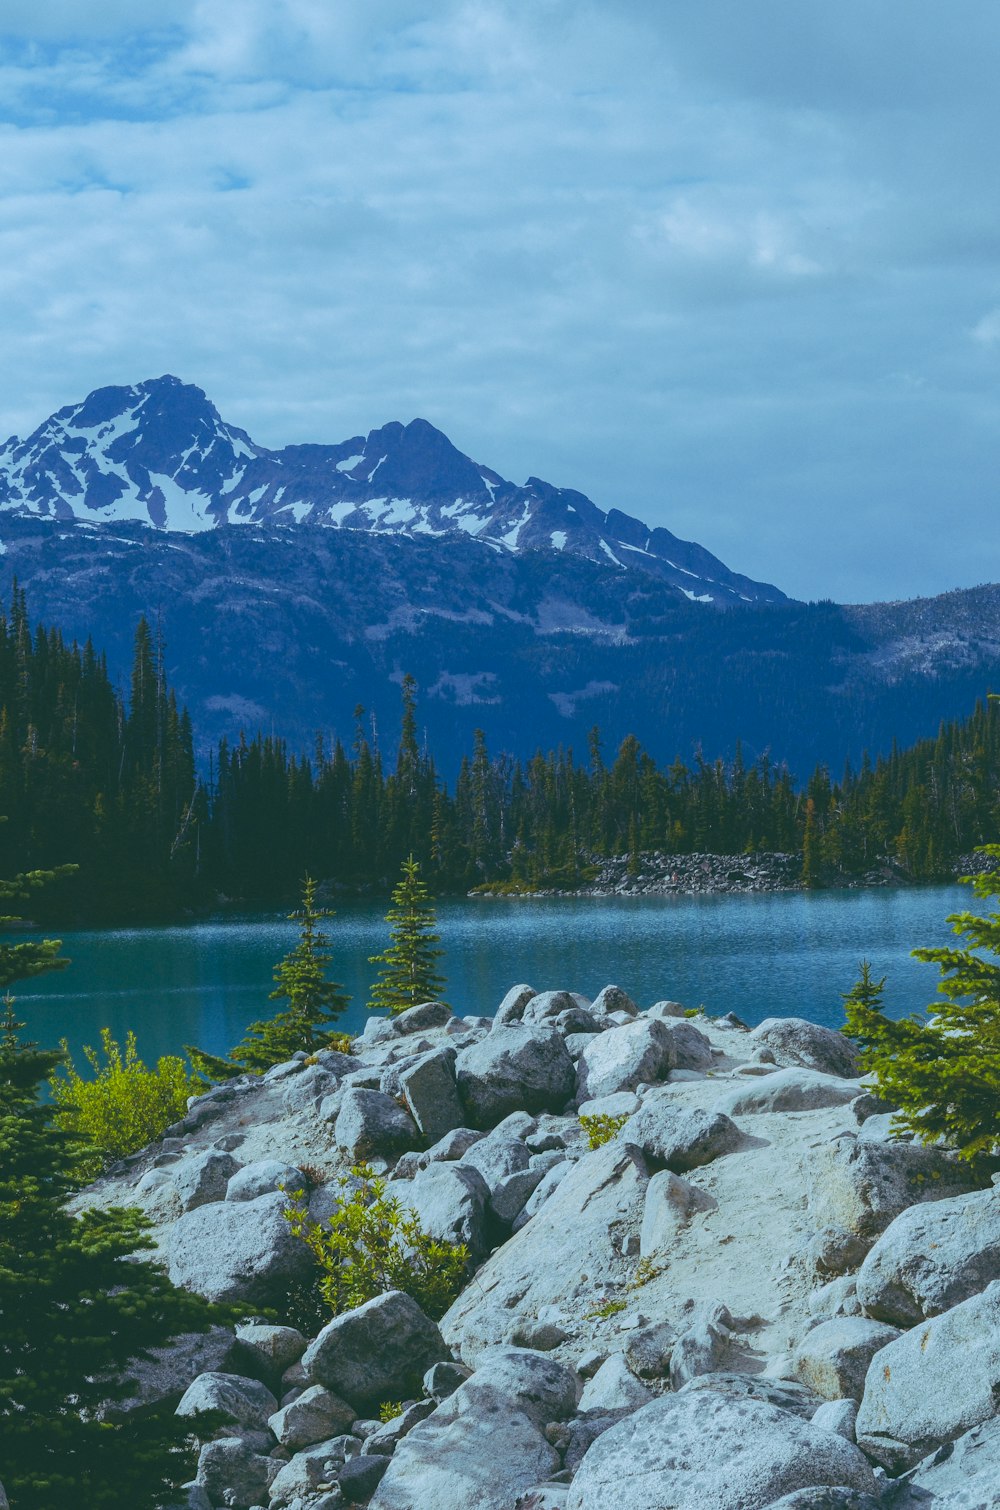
x=408, y=976
x=943, y=1072
x=76, y=1304
x=314, y=1004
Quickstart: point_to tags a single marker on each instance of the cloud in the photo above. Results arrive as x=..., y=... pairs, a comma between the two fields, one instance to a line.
x=717, y=265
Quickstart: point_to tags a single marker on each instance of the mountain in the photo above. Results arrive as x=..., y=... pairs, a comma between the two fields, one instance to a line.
x=289, y=591
x=161, y=455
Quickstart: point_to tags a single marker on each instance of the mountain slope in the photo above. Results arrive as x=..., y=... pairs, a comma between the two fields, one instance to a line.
x=161, y=455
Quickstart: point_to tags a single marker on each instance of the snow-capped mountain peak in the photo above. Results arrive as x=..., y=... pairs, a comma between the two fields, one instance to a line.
x=161, y=454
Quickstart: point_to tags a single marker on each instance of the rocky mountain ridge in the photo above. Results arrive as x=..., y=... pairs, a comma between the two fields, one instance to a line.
x=159, y=453
x=752, y=1296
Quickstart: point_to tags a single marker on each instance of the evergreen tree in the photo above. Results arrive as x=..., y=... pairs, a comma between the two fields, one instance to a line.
x=76, y=1304
x=943, y=1072
x=314, y=1004
x=408, y=976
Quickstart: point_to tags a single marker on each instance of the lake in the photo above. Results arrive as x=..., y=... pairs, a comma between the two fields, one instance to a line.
x=778, y=954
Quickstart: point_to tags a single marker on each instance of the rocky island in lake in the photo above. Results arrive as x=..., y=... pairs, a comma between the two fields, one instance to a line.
x=703, y=1272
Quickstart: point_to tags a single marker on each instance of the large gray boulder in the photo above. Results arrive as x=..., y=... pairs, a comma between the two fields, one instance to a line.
x=269, y=1349
x=702, y=1448
x=233, y=1474
x=514, y=1069
x=833, y=1358
x=862, y=1187
x=547, y=1006
x=795, y=1040
x=243, y=1402
x=511, y=1009
x=371, y=1125
x=599, y=1200
x=427, y=1014
x=485, y=1444
x=262, y=1178
x=614, y=1389
x=379, y=1351
x=298, y=1482
x=613, y=999
x=692, y=1050
x=670, y=1202
x=680, y=1138
x=932, y=1258
x=314, y=1416
x=786, y=1394
x=963, y=1475
x=429, y=1090
x=624, y=1057
x=788, y=1090
x=203, y=1177
x=237, y=1250
x=834, y=1498
x=933, y=1383
x=452, y=1204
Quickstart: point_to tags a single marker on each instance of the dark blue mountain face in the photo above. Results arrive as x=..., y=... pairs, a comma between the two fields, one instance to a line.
x=289, y=630
x=161, y=455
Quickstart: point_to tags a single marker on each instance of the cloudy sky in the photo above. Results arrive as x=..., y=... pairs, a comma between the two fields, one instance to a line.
x=732, y=267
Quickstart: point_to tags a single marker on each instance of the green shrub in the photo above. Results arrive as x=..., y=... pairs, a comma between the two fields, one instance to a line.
x=371, y=1245
x=942, y=1071
x=125, y=1106
x=389, y=1410
x=601, y=1129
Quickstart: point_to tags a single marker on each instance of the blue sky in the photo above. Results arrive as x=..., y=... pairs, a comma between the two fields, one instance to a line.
x=733, y=268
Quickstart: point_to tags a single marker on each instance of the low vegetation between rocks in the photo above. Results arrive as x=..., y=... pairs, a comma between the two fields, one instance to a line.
x=698, y=1265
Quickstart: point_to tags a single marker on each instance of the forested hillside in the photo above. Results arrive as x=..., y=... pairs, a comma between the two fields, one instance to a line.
x=107, y=781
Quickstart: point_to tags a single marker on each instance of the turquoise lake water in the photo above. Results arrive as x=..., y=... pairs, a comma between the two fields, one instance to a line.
x=787, y=954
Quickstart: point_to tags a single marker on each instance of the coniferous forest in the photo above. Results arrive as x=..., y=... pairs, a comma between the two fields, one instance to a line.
x=108, y=781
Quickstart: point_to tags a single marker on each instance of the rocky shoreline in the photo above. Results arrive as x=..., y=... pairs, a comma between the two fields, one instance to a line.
x=751, y=1297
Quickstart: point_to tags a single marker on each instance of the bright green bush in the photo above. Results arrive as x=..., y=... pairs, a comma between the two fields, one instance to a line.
x=125, y=1105
x=601, y=1129
x=371, y=1245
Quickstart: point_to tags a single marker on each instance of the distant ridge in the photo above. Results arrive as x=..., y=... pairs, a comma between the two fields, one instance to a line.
x=160, y=454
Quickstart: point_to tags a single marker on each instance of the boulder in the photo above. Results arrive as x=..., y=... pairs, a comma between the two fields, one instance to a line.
x=360, y=1476
x=262, y=1178
x=702, y=1448
x=237, y=1250
x=379, y=1351
x=796, y=1041
x=624, y=1057
x=371, y=1125
x=484, y=1444
x=692, y=1050
x=963, y=1475
x=600, y=1199
x=231, y=1473
x=310, y=1471
x=454, y=1145
x=271, y=1349
x=666, y=1010
x=203, y=1177
x=158, y=1196
x=514, y=1069
x=497, y=1156
x=838, y=1416
x=511, y=1009
x=162, y=1378
x=680, y=1138
x=669, y=1203
x=305, y=1093
x=862, y=1187
x=702, y=1349
x=614, y=1389
x=442, y=1380
x=243, y=1402
x=451, y=1202
x=833, y=1498
x=933, y=1383
x=387, y=1438
x=833, y=1251
x=783, y=1393
x=833, y=1358
x=429, y=1090
x=932, y=1257
x=620, y=1104
x=547, y=1005
x=613, y=999
x=546, y=1186
x=647, y=1349
x=789, y=1090
x=315, y=1416
x=427, y=1014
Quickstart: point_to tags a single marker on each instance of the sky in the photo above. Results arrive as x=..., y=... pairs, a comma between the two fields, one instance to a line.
x=732, y=268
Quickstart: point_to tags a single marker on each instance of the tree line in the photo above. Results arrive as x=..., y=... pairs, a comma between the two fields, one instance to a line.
x=106, y=779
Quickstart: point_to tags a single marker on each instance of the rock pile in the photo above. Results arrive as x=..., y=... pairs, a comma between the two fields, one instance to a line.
x=753, y=1296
